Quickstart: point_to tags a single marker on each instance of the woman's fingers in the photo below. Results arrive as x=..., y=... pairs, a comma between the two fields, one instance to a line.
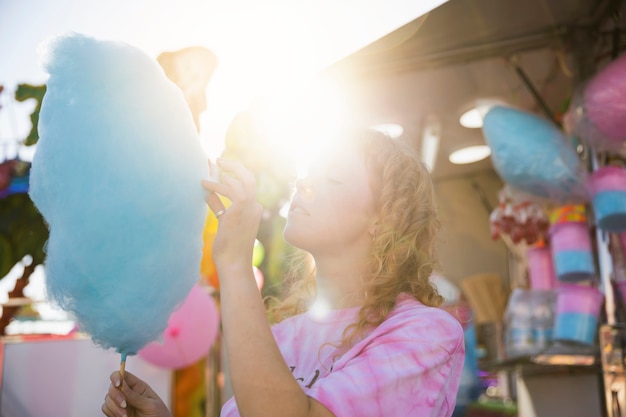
x=132, y=396
x=214, y=171
x=131, y=390
x=136, y=390
x=114, y=404
x=110, y=408
x=214, y=188
x=212, y=198
x=238, y=172
x=115, y=393
x=116, y=379
x=235, y=182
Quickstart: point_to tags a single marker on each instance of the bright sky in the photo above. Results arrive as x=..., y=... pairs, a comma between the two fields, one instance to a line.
x=260, y=45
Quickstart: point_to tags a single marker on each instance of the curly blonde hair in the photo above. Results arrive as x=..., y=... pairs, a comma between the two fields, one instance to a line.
x=403, y=251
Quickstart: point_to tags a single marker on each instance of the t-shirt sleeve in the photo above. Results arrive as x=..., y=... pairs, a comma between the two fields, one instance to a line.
x=413, y=369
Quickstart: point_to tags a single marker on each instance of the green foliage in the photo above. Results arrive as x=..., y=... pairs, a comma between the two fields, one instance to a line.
x=22, y=228
x=23, y=93
x=22, y=232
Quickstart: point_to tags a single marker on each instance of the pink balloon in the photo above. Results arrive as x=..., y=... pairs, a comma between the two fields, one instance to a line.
x=190, y=333
x=605, y=101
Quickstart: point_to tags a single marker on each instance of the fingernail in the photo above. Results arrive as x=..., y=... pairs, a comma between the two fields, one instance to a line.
x=116, y=383
x=123, y=404
x=124, y=415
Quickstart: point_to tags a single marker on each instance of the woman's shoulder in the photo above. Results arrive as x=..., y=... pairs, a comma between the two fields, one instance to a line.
x=412, y=319
x=316, y=321
x=407, y=305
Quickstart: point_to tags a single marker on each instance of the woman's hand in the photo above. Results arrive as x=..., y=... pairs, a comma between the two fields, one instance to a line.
x=132, y=398
x=239, y=223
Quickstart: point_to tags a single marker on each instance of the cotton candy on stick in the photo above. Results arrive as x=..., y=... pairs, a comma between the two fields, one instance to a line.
x=116, y=175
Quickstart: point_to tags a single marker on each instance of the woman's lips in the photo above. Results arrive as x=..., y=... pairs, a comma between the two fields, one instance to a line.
x=298, y=209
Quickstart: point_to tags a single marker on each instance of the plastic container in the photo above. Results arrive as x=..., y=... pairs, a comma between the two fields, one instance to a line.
x=607, y=178
x=572, y=213
x=519, y=338
x=610, y=209
x=541, y=272
x=607, y=188
x=530, y=321
x=544, y=315
x=570, y=244
x=577, y=313
x=570, y=236
x=573, y=265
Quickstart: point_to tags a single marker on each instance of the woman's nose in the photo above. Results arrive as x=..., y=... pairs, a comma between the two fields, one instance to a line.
x=303, y=186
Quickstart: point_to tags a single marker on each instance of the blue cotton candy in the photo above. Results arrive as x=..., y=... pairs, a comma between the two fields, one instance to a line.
x=531, y=154
x=116, y=175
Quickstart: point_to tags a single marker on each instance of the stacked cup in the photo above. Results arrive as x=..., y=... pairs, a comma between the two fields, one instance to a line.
x=570, y=244
x=607, y=188
x=578, y=301
x=577, y=313
x=541, y=274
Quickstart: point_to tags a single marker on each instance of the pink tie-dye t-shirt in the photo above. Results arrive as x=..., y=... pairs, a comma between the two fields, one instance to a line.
x=410, y=365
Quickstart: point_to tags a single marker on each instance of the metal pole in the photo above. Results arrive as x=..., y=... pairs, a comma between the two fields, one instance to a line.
x=529, y=84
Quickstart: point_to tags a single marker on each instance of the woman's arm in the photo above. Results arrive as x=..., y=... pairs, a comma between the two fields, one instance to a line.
x=262, y=383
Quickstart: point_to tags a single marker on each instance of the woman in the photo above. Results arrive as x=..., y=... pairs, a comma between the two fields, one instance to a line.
x=381, y=347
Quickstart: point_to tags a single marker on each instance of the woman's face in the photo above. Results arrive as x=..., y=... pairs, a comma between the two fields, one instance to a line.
x=332, y=206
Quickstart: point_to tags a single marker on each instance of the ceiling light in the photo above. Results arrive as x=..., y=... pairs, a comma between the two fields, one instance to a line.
x=473, y=117
x=469, y=154
x=393, y=130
